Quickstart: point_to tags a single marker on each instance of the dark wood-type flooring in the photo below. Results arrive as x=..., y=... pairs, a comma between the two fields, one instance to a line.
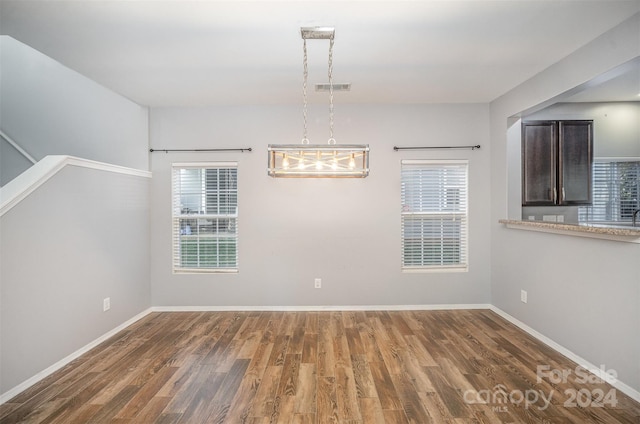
x=320, y=367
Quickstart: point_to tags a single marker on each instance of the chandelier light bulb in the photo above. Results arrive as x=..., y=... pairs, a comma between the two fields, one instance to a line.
x=285, y=161
x=352, y=161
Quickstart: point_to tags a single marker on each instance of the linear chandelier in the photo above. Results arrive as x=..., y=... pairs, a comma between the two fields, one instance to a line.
x=329, y=160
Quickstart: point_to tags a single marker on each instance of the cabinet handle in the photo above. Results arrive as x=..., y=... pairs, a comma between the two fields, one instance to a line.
x=563, y=195
x=555, y=195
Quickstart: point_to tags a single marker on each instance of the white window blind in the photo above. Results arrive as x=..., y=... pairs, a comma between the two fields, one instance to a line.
x=616, y=191
x=434, y=215
x=205, y=217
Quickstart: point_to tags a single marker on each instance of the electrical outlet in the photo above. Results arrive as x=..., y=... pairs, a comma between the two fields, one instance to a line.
x=523, y=296
x=106, y=304
x=317, y=283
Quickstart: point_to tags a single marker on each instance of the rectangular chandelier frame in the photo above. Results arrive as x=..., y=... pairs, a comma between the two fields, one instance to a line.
x=318, y=160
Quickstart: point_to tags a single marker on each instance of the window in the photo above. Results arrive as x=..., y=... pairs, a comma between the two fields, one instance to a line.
x=434, y=215
x=616, y=192
x=205, y=217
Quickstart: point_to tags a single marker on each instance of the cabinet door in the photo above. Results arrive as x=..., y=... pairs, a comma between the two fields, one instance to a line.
x=575, y=164
x=539, y=147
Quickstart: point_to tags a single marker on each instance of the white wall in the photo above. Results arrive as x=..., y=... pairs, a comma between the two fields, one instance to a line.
x=82, y=236
x=345, y=231
x=79, y=238
x=12, y=162
x=583, y=293
x=48, y=109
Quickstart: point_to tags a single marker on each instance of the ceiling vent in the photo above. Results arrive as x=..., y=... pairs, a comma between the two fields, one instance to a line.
x=324, y=87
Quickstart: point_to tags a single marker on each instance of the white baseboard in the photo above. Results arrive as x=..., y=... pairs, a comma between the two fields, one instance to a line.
x=320, y=308
x=596, y=370
x=64, y=361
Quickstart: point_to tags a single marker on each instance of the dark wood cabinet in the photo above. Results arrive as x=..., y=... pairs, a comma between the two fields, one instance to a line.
x=557, y=158
x=539, y=159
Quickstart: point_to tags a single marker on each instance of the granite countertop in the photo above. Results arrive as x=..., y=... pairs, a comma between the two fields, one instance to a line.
x=600, y=229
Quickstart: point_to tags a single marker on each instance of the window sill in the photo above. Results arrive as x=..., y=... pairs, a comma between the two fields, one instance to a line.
x=435, y=269
x=624, y=234
x=205, y=271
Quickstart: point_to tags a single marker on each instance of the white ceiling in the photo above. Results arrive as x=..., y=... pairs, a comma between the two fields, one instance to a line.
x=193, y=53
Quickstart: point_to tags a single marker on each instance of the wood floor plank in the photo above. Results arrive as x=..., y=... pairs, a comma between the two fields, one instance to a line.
x=385, y=389
x=241, y=406
x=341, y=352
x=266, y=393
x=83, y=415
x=225, y=356
x=179, y=378
x=419, y=352
x=336, y=324
x=216, y=398
x=109, y=410
x=250, y=344
x=78, y=404
x=147, y=392
x=279, y=350
x=392, y=356
x=371, y=411
x=356, y=347
x=350, y=367
x=200, y=375
x=416, y=374
x=311, y=323
x=58, y=405
x=310, y=348
x=412, y=406
x=365, y=386
x=305, y=398
x=369, y=343
x=289, y=380
x=392, y=416
x=347, y=395
x=258, y=363
x=437, y=409
x=297, y=341
x=326, y=355
x=152, y=410
x=283, y=410
x=327, y=403
x=455, y=404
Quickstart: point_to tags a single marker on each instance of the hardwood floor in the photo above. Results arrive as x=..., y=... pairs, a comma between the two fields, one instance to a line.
x=321, y=367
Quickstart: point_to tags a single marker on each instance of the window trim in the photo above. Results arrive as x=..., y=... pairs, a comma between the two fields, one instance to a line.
x=175, y=219
x=586, y=213
x=464, y=265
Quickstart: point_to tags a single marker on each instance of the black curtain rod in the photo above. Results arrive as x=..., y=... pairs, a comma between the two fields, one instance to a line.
x=396, y=148
x=248, y=149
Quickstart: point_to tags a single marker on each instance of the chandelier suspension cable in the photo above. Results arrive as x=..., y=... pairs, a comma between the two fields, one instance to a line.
x=331, y=139
x=305, y=73
x=306, y=160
